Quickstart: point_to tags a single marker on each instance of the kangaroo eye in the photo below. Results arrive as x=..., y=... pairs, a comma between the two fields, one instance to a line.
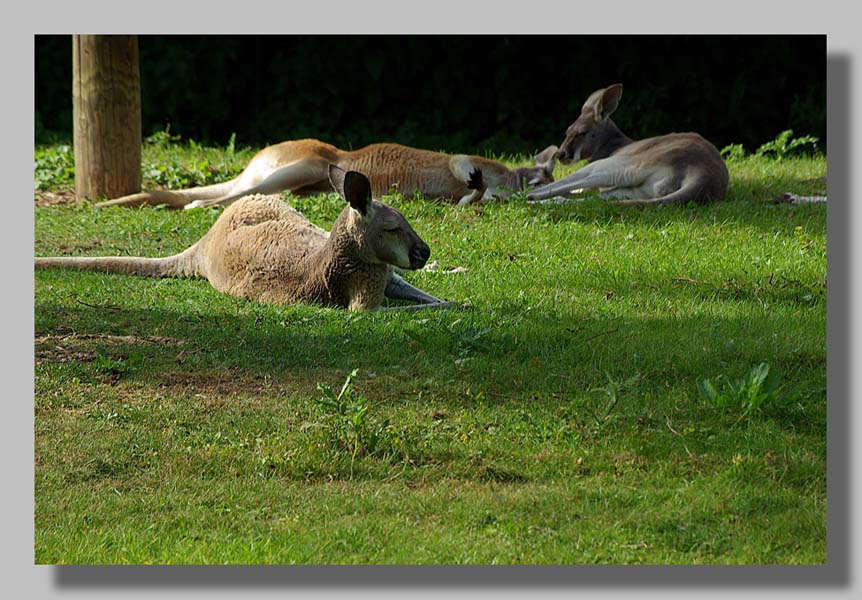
x=391, y=229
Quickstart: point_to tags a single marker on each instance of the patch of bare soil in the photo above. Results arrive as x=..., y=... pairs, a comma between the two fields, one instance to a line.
x=220, y=384
x=55, y=198
x=77, y=347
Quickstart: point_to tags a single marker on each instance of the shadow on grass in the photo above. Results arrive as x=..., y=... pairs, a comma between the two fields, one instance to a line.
x=764, y=215
x=504, y=353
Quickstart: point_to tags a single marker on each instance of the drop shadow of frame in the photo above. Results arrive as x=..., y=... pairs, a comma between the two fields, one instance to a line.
x=835, y=573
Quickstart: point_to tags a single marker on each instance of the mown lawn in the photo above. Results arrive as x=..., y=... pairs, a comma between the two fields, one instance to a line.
x=559, y=419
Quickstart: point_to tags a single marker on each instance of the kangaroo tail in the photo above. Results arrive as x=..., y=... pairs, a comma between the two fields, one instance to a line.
x=692, y=189
x=184, y=264
x=173, y=198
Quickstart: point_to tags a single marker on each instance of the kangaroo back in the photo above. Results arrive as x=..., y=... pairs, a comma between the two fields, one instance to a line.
x=388, y=165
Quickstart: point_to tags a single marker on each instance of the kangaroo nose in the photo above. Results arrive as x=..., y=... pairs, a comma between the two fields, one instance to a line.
x=419, y=256
x=565, y=155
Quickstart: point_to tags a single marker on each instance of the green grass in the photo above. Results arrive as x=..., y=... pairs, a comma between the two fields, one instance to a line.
x=559, y=420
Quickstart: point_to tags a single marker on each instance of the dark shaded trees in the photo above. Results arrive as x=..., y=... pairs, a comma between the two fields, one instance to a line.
x=459, y=93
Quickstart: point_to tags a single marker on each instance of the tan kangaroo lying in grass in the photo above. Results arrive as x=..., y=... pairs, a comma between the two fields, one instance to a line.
x=262, y=249
x=301, y=167
x=668, y=169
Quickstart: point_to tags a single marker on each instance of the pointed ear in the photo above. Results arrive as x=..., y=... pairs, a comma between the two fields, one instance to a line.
x=546, y=157
x=336, y=178
x=357, y=191
x=609, y=101
x=353, y=186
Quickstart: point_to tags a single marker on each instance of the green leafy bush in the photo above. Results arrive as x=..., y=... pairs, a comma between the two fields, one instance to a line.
x=782, y=146
x=733, y=152
x=785, y=144
x=55, y=166
x=167, y=162
x=162, y=138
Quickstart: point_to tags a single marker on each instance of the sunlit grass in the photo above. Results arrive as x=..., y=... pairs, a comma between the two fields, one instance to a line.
x=556, y=421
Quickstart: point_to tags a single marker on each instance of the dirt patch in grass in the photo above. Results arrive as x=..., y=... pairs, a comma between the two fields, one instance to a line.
x=61, y=354
x=79, y=347
x=56, y=198
x=222, y=384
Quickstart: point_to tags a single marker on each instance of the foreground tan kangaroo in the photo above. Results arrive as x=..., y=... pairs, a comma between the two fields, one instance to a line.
x=301, y=167
x=262, y=249
x=668, y=169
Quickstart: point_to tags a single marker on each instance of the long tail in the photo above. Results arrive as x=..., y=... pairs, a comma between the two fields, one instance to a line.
x=184, y=264
x=690, y=190
x=173, y=198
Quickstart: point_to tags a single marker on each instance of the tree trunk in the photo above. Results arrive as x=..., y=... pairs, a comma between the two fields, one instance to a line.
x=106, y=107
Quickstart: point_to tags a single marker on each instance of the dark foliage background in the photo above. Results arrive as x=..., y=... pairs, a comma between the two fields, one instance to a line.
x=495, y=94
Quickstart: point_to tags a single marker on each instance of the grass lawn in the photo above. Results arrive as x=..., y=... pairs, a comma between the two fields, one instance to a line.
x=600, y=401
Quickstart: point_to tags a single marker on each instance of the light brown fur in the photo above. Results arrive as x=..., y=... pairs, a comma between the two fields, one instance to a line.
x=262, y=249
x=300, y=166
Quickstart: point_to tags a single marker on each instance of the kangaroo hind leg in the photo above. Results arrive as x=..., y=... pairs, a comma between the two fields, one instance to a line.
x=608, y=172
x=292, y=176
x=173, y=198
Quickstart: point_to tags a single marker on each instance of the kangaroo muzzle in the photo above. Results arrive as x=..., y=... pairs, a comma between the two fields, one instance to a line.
x=419, y=255
x=565, y=155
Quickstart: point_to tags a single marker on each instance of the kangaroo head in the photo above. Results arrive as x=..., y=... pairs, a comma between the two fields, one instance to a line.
x=380, y=233
x=592, y=129
x=542, y=173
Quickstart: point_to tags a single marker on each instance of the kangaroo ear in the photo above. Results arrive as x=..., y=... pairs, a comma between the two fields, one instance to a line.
x=336, y=178
x=353, y=186
x=357, y=191
x=609, y=101
x=545, y=158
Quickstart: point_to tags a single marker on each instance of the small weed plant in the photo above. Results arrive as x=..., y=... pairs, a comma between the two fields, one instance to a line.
x=350, y=428
x=611, y=394
x=751, y=394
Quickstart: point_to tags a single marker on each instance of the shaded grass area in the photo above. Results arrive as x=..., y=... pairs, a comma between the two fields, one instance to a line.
x=556, y=421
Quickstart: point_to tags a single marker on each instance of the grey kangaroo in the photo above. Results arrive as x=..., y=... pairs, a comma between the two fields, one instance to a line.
x=668, y=169
x=261, y=249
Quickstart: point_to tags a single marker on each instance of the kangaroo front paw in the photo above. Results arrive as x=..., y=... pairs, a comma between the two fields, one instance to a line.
x=195, y=204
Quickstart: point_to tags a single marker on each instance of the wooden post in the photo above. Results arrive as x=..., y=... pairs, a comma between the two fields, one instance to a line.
x=106, y=109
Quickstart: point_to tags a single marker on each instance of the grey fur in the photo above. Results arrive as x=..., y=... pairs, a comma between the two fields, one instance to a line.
x=669, y=169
